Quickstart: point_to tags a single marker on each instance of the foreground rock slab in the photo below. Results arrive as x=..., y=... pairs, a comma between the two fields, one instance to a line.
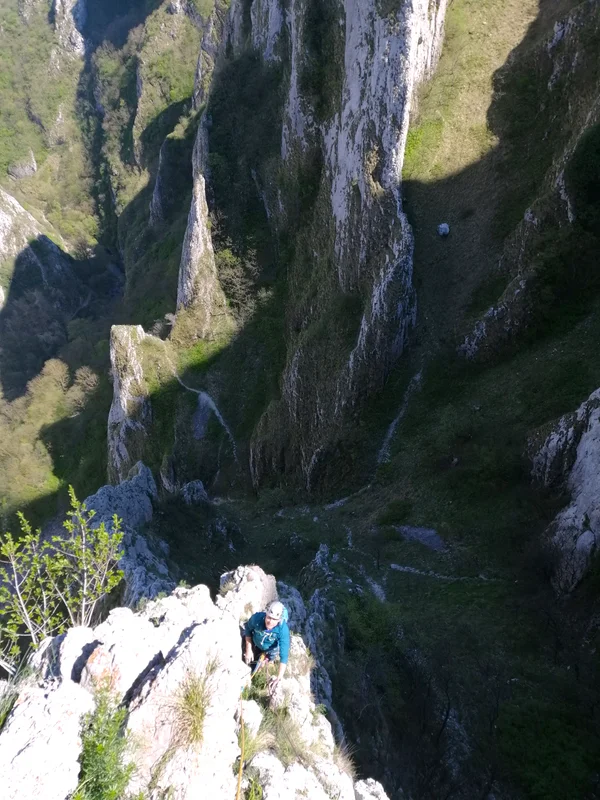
x=176, y=667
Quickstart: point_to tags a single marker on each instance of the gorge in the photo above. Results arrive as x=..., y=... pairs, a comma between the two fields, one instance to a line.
x=228, y=316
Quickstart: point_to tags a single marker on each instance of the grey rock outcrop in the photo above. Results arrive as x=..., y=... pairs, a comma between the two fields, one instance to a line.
x=146, y=573
x=149, y=659
x=130, y=411
x=69, y=20
x=41, y=740
x=569, y=459
x=35, y=260
x=198, y=285
x=17, y=227
x=23, y=169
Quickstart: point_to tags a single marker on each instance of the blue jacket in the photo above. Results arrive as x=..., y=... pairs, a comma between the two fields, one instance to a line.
x=278, y=637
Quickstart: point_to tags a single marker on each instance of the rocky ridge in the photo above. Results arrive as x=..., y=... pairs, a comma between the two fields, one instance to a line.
x=145, y=658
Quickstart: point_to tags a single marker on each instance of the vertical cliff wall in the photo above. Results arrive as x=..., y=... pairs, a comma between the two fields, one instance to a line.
x=350, y=74
x=297, y=184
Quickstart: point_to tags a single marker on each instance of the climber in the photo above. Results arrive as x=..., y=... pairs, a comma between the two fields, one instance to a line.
x=267, y=634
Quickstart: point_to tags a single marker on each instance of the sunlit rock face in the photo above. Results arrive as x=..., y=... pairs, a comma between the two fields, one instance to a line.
x=358, y=248
x=69, y=19
x=198, y=285
x=147, y=660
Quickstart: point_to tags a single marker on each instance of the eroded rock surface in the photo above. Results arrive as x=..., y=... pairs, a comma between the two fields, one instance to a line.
x=569, y=459
x=69, y=19
x=148, y=659
x=146, y=573
x=130, y=411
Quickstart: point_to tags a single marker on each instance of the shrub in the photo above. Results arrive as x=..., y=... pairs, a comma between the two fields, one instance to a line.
x=104, y=775
x=342, y=758
x=254, y=790
x=48, y=585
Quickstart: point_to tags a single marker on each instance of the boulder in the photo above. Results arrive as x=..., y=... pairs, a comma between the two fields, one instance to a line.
x=246, y=590
x=127, y=647
x=63, y=656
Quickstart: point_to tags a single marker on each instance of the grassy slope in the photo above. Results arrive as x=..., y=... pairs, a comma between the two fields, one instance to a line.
x=42, y=452
x=458, y=456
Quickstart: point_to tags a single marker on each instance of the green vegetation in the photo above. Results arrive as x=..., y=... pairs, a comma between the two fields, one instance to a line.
x=190, y=706
x=50, y=584
x=8, y=698
x=204, y=7
x=104, y=774
x=322, y=72
x=278, y=731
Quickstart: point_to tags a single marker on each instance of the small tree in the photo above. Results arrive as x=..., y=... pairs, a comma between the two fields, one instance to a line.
x=48, y=585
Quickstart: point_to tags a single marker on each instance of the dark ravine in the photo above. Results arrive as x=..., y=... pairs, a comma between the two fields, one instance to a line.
x=234, y=210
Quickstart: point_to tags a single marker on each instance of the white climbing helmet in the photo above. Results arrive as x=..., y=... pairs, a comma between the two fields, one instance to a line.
x=275, y=610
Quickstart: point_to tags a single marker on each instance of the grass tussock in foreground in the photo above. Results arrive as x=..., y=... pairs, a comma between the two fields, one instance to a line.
x=190, y=706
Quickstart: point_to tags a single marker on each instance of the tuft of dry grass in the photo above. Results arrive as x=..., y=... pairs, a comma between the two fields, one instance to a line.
x=263, y=739
x=190, y=706
x=344, y=761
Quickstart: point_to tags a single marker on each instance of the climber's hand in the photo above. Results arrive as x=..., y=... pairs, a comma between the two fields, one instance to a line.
x=273, y=684
x=248, y=655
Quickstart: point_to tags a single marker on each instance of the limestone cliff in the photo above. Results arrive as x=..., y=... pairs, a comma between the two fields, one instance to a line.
x=198, y=285
x=569, y=460
x=69, y=21
x=147, y=659
x=350, y=299
x=358, y=123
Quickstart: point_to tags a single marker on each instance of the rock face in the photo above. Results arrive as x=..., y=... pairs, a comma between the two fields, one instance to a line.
x=360, y=230
x=17, y=227
x=146, y=573
x=150, y=660
x=355, y=247
x=130, y=410
x=23, y=169
x=198, y=285
x=69, y=21
x=41, y=741
x=569, y=459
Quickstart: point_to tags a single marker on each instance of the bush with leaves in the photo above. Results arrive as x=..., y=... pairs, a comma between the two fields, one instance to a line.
x=50, y=584
x=104, y=773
